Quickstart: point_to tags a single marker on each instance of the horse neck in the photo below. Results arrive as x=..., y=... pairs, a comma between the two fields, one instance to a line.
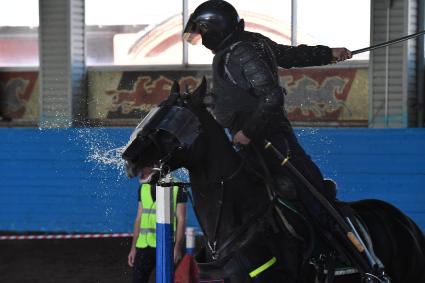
x=221, y=158
x=219, y=171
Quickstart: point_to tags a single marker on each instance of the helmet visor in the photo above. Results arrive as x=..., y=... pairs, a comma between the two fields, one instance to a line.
x=191, y=32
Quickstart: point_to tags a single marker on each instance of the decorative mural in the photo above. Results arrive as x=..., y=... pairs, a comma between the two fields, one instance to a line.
x=130, y=95
x=19, y=96
x=147, y=91
x=326, y=95
x=313, y=94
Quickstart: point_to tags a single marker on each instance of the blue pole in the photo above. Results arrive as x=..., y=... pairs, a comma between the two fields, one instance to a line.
x=164, y=235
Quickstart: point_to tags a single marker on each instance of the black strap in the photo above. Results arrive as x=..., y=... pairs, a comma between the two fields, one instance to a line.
x=273, y=197
x=194, y=209
x=220, y=206
x=218, y=217
x=235, y=234
x=330, y=262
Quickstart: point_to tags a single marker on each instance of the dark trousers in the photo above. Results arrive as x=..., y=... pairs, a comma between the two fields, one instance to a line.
x=144, y=264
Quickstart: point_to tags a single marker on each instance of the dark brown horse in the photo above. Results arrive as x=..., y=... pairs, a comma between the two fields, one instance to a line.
x=248, y=238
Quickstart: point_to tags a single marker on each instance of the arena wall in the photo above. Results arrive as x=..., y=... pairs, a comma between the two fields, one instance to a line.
x=70, y=180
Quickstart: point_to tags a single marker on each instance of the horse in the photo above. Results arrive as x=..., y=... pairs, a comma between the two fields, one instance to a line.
x=247, y=237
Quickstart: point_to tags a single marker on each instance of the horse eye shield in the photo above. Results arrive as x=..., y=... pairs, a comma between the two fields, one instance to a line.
x=179, y=122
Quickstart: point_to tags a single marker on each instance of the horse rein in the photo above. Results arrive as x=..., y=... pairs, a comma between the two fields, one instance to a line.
x=272, y=195
x=212, y=245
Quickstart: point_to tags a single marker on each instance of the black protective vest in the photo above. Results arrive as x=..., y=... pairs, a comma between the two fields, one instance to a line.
x=231, y=102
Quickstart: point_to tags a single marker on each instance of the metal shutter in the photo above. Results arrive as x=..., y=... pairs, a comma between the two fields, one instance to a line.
x=393, y=84
x=62, y=68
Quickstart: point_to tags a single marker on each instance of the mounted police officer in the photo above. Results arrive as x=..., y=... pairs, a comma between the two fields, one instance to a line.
x=248, y=99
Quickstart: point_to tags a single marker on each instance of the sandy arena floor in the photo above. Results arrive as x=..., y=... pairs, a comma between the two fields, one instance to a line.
x=71, y=260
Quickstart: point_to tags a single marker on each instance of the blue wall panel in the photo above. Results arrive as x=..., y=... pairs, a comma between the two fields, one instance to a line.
x=386, y=164
x=54, y=180
x=71, y=180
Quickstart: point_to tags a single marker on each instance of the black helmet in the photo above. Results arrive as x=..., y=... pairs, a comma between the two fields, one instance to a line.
x=215, y=21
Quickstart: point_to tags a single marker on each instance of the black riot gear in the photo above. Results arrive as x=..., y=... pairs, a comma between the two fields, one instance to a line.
x=249, y=101
x=246, y=87
x=215, y=21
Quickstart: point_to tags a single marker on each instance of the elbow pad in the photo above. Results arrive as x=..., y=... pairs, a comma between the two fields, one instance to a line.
x=271, y=100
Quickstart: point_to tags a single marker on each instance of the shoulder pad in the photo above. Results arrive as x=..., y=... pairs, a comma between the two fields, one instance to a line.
x=245, y=51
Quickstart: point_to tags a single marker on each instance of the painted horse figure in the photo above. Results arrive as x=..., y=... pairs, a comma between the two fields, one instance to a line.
x=248, y=237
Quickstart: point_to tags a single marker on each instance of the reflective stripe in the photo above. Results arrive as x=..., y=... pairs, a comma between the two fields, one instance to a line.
x=147, y=230
x=149, y=210
x=263, y=267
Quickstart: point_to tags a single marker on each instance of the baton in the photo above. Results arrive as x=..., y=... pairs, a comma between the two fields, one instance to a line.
x=346, y=229
x=390, y=42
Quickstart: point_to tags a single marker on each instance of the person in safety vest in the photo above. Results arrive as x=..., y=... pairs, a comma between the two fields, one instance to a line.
x=142, y=256
x=248, y=100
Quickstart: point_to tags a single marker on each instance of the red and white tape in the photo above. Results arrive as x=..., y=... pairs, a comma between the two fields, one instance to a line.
x=64, y=236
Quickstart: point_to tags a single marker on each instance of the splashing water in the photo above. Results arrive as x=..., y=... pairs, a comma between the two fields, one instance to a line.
x=102, y=151
x=109, y=157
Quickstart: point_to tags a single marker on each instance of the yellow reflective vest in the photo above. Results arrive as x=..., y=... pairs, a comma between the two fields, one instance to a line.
x=147, y=234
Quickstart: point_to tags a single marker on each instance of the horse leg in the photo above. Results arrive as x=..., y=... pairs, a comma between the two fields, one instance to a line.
x=289, y=255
